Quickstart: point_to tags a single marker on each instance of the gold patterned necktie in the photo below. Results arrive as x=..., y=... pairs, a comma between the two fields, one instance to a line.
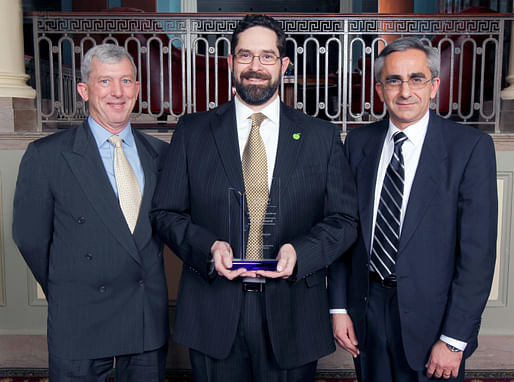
x=255, y=174
x=129, y=193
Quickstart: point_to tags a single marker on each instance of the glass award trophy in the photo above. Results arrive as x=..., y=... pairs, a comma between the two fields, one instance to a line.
x=239, y=229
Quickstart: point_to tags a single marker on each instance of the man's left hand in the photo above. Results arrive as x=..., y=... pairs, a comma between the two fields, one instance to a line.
x=286, y=262
x=443, y=362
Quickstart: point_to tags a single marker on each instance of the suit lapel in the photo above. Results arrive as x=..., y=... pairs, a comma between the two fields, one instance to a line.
x=366, y=179
x=149, y=162
x=87, y=166
x=426, y=181
x=224, y=129
x=287, y=152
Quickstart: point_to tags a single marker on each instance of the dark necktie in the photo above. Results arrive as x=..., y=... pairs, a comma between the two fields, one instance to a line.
x=255, y=174
x=387, y=225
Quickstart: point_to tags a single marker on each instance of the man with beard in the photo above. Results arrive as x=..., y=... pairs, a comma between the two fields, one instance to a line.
x=244, y=324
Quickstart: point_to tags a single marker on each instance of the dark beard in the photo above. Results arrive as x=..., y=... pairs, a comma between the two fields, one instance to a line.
x=255, y=94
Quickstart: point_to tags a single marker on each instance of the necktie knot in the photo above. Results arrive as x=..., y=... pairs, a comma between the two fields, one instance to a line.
x=399, y=137
x=257, y=119
x=116, y=140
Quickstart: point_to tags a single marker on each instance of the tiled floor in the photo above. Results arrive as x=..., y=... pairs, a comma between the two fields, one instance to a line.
x=29, y=351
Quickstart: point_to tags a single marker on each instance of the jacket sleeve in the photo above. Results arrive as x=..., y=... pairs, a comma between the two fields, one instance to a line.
x=171, y=213
x=33, y=214
x=476, y=243
x=333, y=235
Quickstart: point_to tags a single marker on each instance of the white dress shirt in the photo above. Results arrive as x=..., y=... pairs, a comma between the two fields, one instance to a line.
x=268, y=130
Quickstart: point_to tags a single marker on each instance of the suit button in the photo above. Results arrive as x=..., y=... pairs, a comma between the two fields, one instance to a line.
x=141, y=283
x=101, y=289
x=89, y=256
x=81, y=220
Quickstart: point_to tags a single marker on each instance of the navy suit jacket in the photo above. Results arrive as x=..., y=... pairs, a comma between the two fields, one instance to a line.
x=447, y=245
x=106, y=288
x=317, y=214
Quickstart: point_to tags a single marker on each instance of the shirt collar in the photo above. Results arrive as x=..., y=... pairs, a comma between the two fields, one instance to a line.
x=415, y=133
x=101, y=135
x=271, y=111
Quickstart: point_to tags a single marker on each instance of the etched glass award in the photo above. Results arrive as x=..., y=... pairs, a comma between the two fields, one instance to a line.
x=239, y=231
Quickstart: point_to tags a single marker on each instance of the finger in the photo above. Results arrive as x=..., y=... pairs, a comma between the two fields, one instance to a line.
x=282, y=264
x=231, y=275
x=288, y=270
x=270, y=274
x=430, y=369
x=349, y=347
x=438, y=373
x=226, y=259
x=352, y=336
x=249, y=274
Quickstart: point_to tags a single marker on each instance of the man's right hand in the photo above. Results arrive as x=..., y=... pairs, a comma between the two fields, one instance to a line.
x=222, y=256
x=344, y=333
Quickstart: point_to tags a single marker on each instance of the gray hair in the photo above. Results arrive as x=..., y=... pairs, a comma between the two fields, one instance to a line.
x=106, y=53
x=406, y=43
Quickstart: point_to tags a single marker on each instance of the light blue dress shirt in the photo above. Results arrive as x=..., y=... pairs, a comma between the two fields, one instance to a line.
x=106, y=150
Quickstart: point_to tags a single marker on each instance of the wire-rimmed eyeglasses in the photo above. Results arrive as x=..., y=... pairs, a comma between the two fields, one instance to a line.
x=264, y=59
x=414, y=83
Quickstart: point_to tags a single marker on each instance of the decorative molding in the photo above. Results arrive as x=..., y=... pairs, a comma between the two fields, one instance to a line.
x=186, y=374
x=36, y=295
x=499, y=290
x=20, y=141
x=2, y=263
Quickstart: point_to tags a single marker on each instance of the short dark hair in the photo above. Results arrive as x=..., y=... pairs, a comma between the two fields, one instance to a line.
x=265, y=21
x=406, y=43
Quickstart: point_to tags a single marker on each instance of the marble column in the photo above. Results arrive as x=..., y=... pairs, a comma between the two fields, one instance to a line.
x=13, y=80
x=508, y=93
x=17, y=109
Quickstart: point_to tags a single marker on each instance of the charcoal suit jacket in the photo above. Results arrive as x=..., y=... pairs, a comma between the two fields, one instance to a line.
x=447, y=248
x=105, y=287
x=315, y=194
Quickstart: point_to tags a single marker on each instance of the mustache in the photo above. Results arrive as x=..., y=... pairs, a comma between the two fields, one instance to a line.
x=252, y=74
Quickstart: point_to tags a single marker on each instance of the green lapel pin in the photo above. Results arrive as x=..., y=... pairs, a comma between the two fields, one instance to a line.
x=296, y=136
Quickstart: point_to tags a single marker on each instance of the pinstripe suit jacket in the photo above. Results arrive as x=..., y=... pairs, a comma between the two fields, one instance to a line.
x=317, y=214
x=106, y=288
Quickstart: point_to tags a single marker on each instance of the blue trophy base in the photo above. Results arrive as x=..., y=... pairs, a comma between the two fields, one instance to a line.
x=255, y=265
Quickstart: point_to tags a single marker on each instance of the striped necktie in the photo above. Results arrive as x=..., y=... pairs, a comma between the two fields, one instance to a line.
x=129, y=193
x=255, y=174
x=387, y=225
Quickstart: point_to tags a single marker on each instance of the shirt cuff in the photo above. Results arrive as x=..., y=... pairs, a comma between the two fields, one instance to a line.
x=338, y=311
x=452, y=341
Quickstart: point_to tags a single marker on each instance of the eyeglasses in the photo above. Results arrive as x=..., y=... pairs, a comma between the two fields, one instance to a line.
x=414, y=83
x=264, y=59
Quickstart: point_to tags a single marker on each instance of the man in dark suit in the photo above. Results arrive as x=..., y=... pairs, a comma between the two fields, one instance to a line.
x=243, y=325
x=408, y=301
x=81, y=221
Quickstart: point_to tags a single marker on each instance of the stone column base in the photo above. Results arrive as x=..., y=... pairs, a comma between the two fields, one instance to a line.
x=17, y=114
x=15, y=85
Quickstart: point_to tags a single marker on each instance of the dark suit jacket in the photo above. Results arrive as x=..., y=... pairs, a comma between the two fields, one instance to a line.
x=447, y=246
x=317, y=214
x=106, y=288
